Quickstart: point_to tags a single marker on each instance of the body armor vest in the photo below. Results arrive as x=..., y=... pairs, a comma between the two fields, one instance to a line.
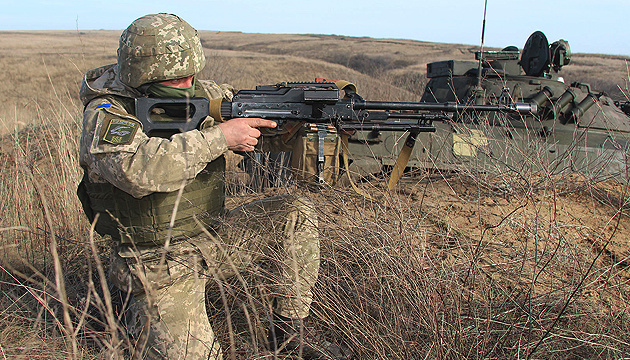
x=146, y=221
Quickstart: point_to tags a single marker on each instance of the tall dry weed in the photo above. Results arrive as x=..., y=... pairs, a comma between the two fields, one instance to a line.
x=468, y=264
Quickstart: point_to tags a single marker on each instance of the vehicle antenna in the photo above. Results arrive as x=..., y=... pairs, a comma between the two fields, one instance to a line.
x=479, y=89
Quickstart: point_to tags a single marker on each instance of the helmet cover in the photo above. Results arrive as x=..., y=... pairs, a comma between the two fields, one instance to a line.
x=159, y=47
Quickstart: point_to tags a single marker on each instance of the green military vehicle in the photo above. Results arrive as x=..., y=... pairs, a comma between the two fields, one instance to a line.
x=575, y=130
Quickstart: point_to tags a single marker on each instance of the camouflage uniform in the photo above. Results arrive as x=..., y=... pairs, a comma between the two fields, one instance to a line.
x=167, y=275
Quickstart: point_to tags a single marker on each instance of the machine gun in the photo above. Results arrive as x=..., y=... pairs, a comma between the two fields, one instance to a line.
x=321, y=104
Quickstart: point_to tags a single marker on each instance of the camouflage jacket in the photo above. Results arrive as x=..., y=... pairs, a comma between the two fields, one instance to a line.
x=132, y=161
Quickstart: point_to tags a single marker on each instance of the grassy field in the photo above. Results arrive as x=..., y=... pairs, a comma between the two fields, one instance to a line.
x=455, y=266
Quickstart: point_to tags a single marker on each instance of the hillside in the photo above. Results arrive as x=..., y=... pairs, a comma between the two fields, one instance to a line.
x=449, y=265
x=403, y=62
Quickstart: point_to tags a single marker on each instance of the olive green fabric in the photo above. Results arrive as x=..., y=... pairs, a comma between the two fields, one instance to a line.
x=164, y=91
x=120, y=131
x=147, y=220
x=305, y=157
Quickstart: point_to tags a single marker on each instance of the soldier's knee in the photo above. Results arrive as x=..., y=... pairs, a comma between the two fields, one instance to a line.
x=305, y=210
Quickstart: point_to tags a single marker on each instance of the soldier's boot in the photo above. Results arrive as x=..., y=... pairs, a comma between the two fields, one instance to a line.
x=291, y=337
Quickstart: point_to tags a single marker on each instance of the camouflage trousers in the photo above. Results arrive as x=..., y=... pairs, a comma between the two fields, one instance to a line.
x=168, y=316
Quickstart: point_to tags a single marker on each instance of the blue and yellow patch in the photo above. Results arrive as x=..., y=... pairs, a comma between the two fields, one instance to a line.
x=120, y=131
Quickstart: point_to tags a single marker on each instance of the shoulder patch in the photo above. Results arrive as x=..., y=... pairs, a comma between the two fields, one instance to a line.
x=119, y=131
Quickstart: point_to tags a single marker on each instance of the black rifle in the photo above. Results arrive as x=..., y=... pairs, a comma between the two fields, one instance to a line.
x=319, y=103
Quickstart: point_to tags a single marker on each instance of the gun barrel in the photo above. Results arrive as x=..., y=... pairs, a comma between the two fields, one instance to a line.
x=387, y=126
x=522, y=108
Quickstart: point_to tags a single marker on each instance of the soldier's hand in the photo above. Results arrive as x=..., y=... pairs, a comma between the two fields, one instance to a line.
x=242, y=134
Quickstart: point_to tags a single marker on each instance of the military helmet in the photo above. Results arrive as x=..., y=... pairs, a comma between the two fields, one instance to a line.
x=159, y=47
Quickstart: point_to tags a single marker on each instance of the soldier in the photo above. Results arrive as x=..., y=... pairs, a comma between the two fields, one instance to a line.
x=161, y=199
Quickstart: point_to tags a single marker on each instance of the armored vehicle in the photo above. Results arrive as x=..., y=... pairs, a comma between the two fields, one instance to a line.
x=575, y=130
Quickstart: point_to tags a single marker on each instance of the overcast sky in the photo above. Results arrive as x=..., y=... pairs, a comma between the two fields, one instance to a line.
x=591, y=26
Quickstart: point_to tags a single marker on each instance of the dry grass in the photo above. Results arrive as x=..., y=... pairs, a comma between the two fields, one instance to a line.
x=447, y=266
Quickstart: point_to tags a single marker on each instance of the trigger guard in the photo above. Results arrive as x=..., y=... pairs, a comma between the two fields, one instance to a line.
x=278, y=130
